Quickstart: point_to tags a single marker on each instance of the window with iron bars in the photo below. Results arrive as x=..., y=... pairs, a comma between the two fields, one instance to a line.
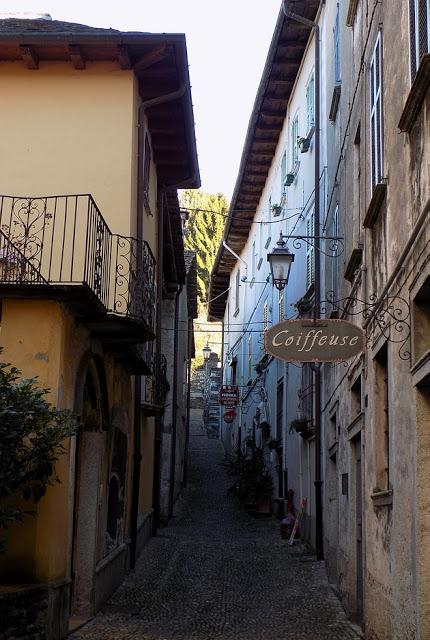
x=419, y=16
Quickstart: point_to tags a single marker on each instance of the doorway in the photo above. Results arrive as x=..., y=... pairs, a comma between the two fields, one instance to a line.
x=359, y=528
x=88, y=462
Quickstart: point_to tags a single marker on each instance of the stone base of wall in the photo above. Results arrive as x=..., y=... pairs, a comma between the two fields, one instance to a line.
x=110, y=572
x=34, y=612
x=144, y=531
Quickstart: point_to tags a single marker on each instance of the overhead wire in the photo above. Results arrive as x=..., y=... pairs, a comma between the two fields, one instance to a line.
x=351, y=107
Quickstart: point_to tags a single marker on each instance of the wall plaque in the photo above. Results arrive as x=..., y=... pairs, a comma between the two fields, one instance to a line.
x=314, y=340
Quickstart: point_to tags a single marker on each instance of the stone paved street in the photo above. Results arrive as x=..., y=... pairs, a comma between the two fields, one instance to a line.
x=218, y=573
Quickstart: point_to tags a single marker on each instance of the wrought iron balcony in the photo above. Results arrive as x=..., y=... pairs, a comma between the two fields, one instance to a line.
x=61, y=246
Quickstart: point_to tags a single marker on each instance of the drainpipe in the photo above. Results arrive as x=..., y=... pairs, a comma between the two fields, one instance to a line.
x=233, y=253
x=174, y=402
x=137, y=457
x=154, y=102
x=317, y=253
x=158, y=418
x=187, y=433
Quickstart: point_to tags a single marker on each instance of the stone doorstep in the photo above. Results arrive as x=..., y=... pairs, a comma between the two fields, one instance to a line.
x=76, y=622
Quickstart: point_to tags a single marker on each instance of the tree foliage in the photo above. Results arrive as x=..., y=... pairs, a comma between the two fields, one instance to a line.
x=203, y=232
x=32, y=434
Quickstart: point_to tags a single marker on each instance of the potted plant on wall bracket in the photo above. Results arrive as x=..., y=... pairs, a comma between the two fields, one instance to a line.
x=262, y=363
x=299, y=424
x=302, y=426
x=276, y=209
x=289, y=178
x=304, y=144
x=304, y=305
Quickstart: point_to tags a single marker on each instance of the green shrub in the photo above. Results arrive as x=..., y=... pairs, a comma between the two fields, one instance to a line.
x=32, y=434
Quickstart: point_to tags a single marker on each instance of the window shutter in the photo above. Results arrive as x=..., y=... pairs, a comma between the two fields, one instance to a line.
x=310, y=98
x=310, y=266
x=418, y=32
x=422, y=28
x=412, y=38
x=281, y=307
x=335, y=232
x=376, y=113
x=336, y=48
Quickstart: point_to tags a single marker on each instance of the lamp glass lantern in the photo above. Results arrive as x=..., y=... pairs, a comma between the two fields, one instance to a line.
x=280, y=260
x=206, y=352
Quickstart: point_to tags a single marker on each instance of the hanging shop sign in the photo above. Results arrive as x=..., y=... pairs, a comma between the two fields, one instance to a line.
x=314, y=340
x=229, y=395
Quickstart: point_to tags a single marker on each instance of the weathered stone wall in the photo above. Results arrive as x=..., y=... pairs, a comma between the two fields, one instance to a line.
x=376, y=416
x=23, y=612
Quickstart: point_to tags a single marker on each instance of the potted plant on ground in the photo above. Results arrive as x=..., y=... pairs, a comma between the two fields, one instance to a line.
x=253, y=482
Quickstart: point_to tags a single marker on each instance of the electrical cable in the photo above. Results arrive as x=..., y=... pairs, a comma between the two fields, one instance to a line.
x=346, y=133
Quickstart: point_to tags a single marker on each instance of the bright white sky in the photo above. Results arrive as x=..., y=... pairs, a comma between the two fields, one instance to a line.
x=228, y=41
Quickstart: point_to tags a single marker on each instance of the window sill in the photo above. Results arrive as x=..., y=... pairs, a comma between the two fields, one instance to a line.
x=421, y=369
x=332, y=451
x=335, y=99
x=310, y=132
x=375, y=205
x=416, y=95
x=354, y=428
x=353, y=263
x=382, y=498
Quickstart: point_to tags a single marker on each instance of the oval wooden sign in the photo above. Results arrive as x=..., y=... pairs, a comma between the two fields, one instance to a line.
x=314, y=341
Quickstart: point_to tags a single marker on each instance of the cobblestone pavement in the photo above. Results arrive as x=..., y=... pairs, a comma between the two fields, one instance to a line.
x=216, y=573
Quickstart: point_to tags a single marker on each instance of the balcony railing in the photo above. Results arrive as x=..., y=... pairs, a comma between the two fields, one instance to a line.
x=62, y=241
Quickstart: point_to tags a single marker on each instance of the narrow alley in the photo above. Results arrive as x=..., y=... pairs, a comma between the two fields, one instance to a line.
x=218, y=573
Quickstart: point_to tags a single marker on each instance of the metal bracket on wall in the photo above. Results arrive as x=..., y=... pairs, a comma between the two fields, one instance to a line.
x=334, y=246
x=389, y=317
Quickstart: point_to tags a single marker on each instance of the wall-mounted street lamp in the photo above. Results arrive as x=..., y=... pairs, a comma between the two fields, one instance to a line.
x=206, y=352
x=280, y=258
x=280, y=261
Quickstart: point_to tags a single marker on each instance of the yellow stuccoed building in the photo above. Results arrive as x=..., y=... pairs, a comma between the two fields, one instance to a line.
x=97, y=133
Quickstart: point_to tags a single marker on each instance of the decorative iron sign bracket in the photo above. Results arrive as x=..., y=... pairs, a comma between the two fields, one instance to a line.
x=334, y=246
x=388, y=317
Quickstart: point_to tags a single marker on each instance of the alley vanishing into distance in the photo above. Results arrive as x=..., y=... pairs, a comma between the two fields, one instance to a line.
x=217, y=572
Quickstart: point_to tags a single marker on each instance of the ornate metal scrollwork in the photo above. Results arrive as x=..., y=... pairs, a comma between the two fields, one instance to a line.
x=134, y=280
x=334, y=246
x=125, y=275
x=389, y=317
